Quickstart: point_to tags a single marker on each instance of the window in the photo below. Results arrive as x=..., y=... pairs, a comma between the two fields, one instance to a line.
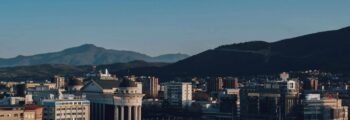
x=291, y=85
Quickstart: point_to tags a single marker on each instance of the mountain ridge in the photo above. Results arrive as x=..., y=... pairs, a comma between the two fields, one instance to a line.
x=327, y=51
x=86, y=54
x=46, y=71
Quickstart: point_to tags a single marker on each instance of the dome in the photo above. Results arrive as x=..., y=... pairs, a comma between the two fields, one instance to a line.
x=75, y=82
x=127, y=83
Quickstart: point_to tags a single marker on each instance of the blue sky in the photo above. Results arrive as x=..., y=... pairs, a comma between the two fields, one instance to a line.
x=156, y=27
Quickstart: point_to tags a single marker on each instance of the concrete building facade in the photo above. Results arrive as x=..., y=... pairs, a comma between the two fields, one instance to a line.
x=28, y=112
x=178, y=93
x=317, y=108
x=68, y=107
x=150, y=86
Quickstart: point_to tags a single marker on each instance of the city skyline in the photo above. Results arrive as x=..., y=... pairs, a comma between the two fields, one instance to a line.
x=161, y=27
x=174, y=60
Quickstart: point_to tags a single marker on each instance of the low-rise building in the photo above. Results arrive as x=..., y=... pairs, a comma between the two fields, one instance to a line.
x=69, y=107
x=326, y=108
x=271, y=100
x=29, y=112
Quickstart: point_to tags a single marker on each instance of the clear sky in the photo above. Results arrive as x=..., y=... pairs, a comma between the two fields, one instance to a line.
x=156, y=27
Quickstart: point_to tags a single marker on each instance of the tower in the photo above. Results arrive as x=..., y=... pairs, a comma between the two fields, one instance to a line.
x=150, y=86
x=128, y=101
x=60, y=81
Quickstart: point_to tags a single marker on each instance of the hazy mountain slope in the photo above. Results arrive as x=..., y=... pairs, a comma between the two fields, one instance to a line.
x=171, y=57
x=87, y=54
x=46, y=71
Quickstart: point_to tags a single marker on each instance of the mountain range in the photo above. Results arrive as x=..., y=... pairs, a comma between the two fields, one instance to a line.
x=46, y=71
x=326, y=51
x=88, y=54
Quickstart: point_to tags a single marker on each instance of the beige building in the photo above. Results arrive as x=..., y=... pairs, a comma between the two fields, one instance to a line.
x=30, y=112
x=178, y=93
x=69, y=107
x=317, y=108
x=60, y=82
x=40, y=85
x=150, y=86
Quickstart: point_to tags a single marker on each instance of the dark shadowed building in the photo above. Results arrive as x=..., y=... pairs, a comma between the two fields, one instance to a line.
x=230, y=82
x=215, y=85
x=276, y=100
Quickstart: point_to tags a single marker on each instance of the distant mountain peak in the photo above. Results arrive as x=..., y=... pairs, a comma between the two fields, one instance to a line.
x=83, y=48
x=88, y=46
x=19, y=56
x=87, y=54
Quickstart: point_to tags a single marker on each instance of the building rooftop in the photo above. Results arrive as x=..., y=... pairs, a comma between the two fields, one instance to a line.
x=107, y=84
x=127, y=83
x=32, y=107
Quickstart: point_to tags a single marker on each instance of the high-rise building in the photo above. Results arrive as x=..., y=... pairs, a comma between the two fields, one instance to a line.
x=215, y=85
x=326, y=108
x=28, y=112
x=178, y=93
x=150, y=86
x=66, y=107
x=114, y=99
x=230, y=82
x=60, y=82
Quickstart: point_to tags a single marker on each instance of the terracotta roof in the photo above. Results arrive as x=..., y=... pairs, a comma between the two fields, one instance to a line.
x=32, y=107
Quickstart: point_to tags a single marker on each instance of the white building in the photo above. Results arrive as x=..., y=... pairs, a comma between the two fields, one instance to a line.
x=139, y=87
x=128, y=101
x=114, y=99
x=178, y=93
x=317, y=108
x=28, y=99
x=69, y=107
x=107, y=75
